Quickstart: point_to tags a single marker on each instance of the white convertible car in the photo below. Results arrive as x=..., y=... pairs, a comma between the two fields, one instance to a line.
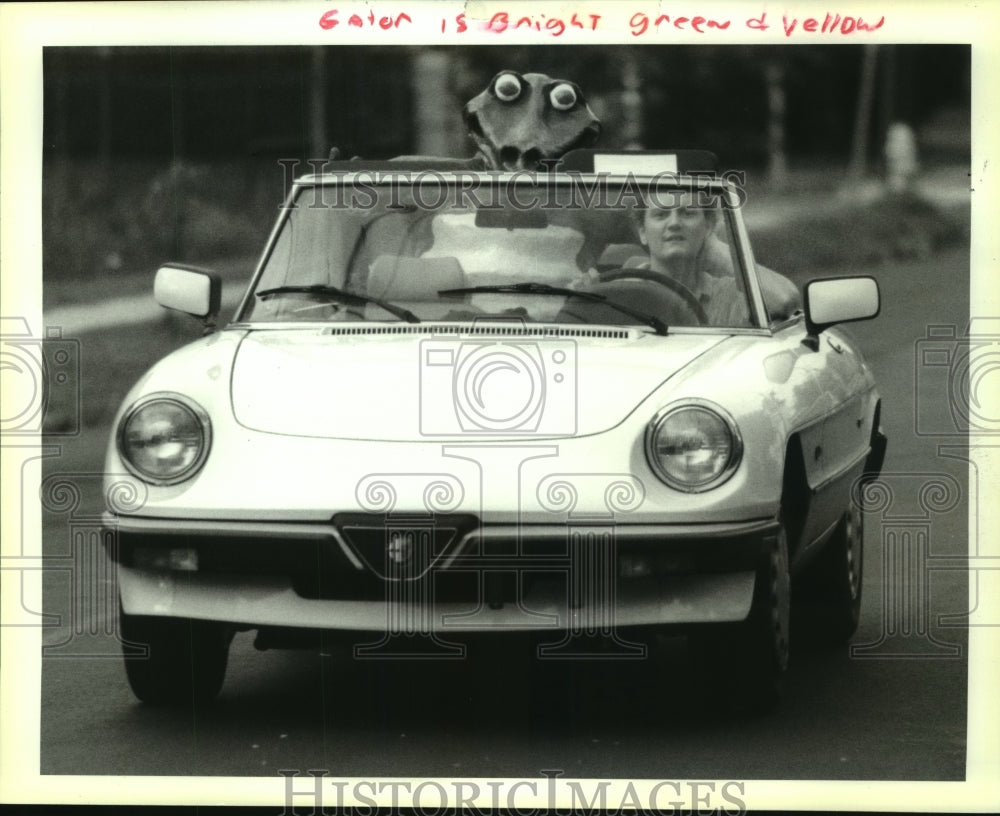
x=458, y=401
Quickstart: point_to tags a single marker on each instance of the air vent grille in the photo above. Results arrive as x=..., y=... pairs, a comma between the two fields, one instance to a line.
x=480, y=330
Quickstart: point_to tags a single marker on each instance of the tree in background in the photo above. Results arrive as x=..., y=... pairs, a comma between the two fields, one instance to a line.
x=438, y=128
x=863, y=114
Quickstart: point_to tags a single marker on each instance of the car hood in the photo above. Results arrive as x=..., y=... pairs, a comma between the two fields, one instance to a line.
x=413, y=383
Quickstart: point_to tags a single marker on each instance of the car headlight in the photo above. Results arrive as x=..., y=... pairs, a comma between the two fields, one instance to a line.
x=693, y=445
x=164, y=438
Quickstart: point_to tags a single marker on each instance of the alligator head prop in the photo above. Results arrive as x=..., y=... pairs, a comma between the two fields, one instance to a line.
x=523, y=120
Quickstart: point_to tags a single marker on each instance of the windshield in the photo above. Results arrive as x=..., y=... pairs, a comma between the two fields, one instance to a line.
x=462, y=247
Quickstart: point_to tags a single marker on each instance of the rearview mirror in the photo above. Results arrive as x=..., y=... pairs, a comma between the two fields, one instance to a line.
x=189, y=289
x=829, y=301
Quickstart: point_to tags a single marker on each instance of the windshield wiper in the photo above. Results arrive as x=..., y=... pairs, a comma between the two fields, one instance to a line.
x=532, y=288
x=350, y=298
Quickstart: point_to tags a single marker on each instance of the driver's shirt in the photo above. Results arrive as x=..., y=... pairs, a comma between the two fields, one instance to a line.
x=723, y=302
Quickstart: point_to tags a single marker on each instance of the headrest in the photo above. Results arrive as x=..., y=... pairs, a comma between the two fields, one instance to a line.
x=394, y=278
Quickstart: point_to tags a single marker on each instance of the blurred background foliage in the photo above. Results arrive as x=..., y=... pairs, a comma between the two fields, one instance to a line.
x=173, y=153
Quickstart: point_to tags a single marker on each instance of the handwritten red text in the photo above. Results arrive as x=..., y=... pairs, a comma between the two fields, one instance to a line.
x=502, y=21
x=331, y=19
x=459, y=25
x=640, y=23
x=831, y=24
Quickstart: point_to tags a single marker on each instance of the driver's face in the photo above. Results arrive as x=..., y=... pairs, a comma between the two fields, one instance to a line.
x=675, y=232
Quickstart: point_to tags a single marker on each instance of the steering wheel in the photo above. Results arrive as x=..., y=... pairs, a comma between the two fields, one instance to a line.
x=679, y=289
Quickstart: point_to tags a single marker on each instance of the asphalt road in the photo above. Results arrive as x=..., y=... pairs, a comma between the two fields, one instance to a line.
x=894, y=709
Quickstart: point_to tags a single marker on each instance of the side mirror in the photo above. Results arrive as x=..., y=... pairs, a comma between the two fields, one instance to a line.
x=189, y=289
x=829, y=301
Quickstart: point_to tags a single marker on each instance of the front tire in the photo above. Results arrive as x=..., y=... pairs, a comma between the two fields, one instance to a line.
x=746, y=662
x=186, y=660
x=829, y=594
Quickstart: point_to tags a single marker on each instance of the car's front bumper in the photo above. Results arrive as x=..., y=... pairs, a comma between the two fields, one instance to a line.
x=444, y=574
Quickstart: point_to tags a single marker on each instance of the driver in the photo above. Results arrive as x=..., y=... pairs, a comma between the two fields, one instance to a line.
x=682, y=244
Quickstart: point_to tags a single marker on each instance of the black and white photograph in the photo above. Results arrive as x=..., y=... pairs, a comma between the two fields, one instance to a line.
x=499, y=406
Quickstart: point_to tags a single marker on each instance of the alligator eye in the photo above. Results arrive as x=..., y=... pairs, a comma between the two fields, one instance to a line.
x=507, y=87
x=563, y=96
